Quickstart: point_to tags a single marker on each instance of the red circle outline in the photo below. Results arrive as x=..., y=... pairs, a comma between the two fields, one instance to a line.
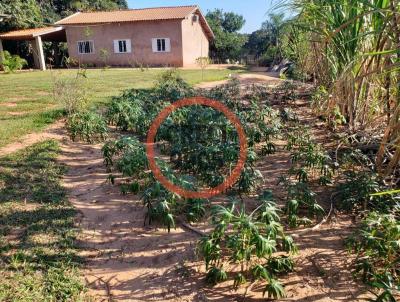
x=229, y=181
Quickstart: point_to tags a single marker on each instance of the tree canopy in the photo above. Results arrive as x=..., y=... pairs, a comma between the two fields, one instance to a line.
x=36, y=13
x=265, y=43
x=228, y=41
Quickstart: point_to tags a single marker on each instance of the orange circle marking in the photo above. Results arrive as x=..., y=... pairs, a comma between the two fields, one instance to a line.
x=206, y=193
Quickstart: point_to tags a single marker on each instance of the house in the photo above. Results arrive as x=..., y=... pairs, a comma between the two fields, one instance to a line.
x=161, y=36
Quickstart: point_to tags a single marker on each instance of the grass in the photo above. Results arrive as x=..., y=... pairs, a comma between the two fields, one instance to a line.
x=38, y=257
x=27, y=103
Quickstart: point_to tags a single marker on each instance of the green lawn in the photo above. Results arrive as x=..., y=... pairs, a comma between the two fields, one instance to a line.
x=27, y=104
x=38, y=257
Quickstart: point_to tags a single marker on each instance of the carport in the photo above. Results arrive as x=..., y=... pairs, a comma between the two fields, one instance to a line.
x=36, y=37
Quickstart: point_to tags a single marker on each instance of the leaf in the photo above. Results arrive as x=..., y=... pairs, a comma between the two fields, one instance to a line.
x=390, y=192
x=264, y=246
x=260, y=272
x=239, y=280
x=216, y=275
x=274, y=289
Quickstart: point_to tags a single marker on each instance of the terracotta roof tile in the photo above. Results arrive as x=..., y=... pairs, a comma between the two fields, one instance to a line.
x=132, y=15
x=28, y=33
x=136, y=15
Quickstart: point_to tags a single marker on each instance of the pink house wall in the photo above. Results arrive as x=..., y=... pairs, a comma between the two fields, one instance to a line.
x=188, y=42
x=195, y=41
x=140, y=34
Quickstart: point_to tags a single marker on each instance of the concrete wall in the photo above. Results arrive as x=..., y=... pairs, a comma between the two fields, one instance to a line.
x=140, y=34
x=195, y=42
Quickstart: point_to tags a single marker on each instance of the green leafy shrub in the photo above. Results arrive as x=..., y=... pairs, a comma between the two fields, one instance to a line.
x=134, y=110
x=128, y=155
x=310, y=163
x=163, y=205
x=301, y=203
x=377, y=247
x=355, y=193
x=11, y=63
x=171, y=87
x=196, y=209
x=250, y=242
x=201, y=144
x=87, y=126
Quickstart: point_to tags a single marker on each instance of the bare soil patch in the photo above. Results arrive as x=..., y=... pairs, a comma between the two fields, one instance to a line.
x=9, y=104
x=129, y=262
x=245, y=79
x=18, y=98
x=16, y=113
x=54, y=131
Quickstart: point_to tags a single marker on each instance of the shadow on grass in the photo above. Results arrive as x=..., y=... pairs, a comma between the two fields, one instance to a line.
x=37, y=233
x=32, y=174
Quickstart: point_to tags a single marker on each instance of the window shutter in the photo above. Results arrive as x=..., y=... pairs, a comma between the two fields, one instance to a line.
x=91, y=46
x=128, y=46
x=116, y=46
x=167, y=45
x=154, y=45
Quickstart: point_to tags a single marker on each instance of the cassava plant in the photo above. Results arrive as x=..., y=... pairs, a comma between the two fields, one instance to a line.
x=198, y=144
x=88, y=126
x=249, y=241
x=377, y=248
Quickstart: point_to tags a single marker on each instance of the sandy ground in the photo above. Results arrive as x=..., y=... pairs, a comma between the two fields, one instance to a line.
x=54, y=131
x=246, y=79
x=127, y=261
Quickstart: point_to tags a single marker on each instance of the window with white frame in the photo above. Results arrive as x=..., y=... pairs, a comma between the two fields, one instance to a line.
x=122, y=46
x=161, y=45
x=85, y=47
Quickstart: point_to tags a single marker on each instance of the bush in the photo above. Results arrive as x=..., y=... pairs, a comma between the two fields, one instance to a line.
x=355, y=193
x=295, y=73
x=248, y=241
x=11, y=63
x=87, y=126
x=268, y=57
x=134, y=110
x=71, y=92
x=171, y=87
x=377, y=245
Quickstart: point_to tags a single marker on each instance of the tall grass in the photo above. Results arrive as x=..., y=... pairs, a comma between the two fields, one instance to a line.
x=354, y=47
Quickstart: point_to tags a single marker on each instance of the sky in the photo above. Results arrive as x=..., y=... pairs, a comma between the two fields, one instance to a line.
x=254, y=11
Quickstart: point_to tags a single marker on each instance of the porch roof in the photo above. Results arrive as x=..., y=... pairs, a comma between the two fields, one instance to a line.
x=46, y=33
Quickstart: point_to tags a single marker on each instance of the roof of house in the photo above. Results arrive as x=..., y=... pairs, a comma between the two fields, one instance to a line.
x=136, y=15
x=28, y=34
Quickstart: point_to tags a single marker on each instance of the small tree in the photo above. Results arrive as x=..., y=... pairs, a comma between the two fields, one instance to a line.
x=203, y=62
x=104, y=56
